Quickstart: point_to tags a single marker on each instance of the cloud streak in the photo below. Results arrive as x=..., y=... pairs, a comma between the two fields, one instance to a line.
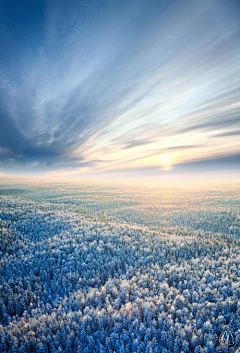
x=92, y=81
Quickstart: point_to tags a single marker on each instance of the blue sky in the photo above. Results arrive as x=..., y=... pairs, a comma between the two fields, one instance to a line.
x=119, y=87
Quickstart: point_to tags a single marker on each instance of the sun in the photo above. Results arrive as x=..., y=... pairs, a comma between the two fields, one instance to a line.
x=166, y=161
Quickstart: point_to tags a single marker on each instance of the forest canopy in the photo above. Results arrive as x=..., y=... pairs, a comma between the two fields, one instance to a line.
x=96, y=269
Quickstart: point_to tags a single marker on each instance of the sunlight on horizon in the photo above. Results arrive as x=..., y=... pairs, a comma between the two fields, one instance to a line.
x=166, y=162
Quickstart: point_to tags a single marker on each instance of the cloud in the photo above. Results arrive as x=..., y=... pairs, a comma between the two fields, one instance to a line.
x=215, y=121
x=135, y=143
x=211, y=164
x=81, y=82
x=227, y=133
x=181, y=147
x=197, y=166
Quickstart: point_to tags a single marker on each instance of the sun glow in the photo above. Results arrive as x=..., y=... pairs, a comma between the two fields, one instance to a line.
x=166, y=162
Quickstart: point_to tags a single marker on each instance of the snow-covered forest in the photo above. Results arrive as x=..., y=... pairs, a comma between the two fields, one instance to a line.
x=118, y=269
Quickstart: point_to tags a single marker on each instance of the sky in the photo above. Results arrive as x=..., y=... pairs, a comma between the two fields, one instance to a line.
x=119, y=88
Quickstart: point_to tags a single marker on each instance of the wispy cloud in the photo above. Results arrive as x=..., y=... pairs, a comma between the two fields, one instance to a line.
x=135, y=143
x=91, y=81
x=228, y=133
